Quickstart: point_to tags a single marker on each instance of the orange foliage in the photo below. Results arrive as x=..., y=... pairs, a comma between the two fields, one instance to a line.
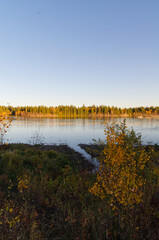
x=5, y=123
x=121, y=174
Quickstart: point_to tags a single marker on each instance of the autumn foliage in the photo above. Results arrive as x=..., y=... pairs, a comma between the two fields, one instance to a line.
x=5, y=123
x=121, y=175
x=46, y=191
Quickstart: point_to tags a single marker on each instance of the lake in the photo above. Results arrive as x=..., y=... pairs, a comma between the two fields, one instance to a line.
x=75, y=131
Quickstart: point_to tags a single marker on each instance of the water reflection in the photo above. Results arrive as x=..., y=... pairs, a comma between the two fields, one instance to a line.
x=75, y=131
x=82, y=129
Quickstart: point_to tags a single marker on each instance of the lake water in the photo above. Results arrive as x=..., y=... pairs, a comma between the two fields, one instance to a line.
x=74, y=131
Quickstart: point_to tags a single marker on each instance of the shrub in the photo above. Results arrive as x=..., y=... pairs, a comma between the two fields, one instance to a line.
x=121, y=174
x=5, y=123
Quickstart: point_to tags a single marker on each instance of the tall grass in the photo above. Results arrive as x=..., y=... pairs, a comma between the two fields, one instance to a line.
x=45, y=195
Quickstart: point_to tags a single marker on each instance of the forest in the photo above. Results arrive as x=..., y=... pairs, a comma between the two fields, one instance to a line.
x=73, y=111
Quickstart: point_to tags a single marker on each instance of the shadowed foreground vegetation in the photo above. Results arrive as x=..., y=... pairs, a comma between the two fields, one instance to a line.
x=49, y=192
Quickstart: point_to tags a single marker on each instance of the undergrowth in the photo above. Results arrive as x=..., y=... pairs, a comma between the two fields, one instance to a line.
x=45, y=194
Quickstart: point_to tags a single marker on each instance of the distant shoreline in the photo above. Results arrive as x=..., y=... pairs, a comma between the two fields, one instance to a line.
x=39, y=115
x=71, y=111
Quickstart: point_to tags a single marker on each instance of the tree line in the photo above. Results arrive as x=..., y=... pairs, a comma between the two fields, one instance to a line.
x=84, y=111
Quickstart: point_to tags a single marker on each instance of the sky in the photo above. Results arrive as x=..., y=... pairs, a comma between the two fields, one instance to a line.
x=75, y=52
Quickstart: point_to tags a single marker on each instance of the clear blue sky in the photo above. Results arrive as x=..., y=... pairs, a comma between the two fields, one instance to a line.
x=79, y=52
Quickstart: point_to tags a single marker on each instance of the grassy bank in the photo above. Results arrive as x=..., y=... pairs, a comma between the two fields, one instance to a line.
x=92, y=116
x=44, y=192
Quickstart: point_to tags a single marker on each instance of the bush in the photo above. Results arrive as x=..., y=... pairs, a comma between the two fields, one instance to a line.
x=121, y=174
x=5, y=123
x=128, y=182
